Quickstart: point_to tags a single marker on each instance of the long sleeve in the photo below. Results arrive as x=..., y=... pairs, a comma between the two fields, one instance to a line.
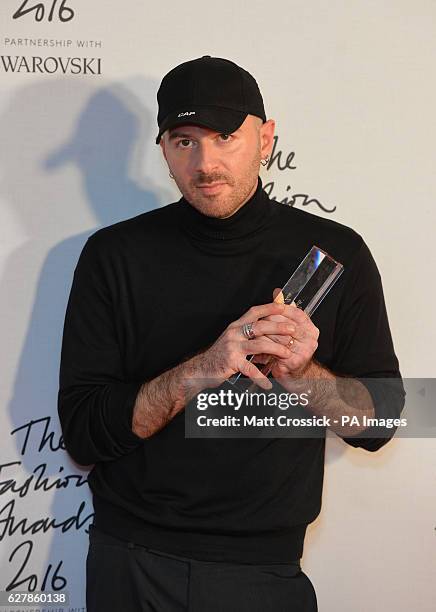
x=364, y=347
x=95, y=402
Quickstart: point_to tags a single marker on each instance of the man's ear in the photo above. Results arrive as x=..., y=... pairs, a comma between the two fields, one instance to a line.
x=162, y=146
x=267, y=137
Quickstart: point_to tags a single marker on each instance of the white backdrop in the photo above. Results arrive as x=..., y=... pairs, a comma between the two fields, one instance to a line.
x=351, y=87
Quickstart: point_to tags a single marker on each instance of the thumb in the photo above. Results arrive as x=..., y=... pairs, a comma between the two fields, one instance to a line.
x=278, y=296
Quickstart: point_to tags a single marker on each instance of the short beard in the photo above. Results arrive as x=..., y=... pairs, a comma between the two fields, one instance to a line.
x=237, y=197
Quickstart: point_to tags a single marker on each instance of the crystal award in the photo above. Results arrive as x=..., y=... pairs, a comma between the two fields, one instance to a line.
x=306, y=288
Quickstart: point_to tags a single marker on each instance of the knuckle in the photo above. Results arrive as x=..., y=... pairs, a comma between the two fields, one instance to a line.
x=227, y=342
x=234, y=334
x=230, y=332
x=232, y=355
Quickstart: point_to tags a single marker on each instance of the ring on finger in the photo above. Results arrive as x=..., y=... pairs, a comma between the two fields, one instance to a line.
x=247, y=330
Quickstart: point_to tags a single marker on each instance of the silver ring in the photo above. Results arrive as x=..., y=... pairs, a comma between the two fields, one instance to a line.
x=247, y=330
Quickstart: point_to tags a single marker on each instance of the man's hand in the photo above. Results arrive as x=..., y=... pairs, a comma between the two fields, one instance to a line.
x=331, y=395
x=162, y=398
x=227, y=355
x=303, y=342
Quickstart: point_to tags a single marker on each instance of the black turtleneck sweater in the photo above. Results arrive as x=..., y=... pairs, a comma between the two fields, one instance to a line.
x=152, y=290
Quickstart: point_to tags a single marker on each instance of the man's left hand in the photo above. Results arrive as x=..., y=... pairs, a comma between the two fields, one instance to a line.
x=303, y=343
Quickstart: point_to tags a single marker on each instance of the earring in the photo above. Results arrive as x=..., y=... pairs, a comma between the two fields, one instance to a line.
x=264, y=161
x=170, y=175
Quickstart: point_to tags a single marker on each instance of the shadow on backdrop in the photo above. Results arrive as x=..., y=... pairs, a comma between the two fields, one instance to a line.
x=54, y=134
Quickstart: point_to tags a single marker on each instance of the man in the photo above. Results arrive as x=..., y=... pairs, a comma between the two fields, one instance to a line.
x=172, y=301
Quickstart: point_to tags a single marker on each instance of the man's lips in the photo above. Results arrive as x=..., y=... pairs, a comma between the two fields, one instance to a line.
x=206, y=185
x=210, y=187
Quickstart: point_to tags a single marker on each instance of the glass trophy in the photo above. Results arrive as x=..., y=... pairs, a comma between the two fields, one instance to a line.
x=307, y=287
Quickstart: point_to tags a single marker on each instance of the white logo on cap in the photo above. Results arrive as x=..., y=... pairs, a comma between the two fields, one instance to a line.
x=186, y=114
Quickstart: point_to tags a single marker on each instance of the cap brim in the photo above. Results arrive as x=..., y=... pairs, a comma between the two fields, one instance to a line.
x=221, y=120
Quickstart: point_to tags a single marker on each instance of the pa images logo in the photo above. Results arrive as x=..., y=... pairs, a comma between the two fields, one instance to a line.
x=48, y=11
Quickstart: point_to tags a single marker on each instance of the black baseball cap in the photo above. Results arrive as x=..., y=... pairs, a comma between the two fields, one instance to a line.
x=209, y=91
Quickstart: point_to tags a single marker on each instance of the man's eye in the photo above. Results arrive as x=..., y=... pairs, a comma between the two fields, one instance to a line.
x=184, y=143
x=225, y=137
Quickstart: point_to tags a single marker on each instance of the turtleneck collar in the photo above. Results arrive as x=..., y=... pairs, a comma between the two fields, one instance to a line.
x=248, y=219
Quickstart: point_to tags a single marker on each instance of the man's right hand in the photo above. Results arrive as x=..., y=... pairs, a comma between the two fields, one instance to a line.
x=160, y=399
x=227, y=355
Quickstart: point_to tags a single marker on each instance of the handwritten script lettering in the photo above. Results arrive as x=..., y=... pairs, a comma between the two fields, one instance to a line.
x=276, y=157
x=42, y=9
x=296, y=198
x=45, y=438
x=277, y=161
x=9, y=525
x=57, y=582
x=35, y=482
x=33, y=437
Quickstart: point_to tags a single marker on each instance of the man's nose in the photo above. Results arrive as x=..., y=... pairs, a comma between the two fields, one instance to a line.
x=206, y=159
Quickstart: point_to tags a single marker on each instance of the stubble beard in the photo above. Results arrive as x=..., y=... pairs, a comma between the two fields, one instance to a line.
x=222, y=205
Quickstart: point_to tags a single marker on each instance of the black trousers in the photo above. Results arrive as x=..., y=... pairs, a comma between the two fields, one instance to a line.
x=126, y=577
